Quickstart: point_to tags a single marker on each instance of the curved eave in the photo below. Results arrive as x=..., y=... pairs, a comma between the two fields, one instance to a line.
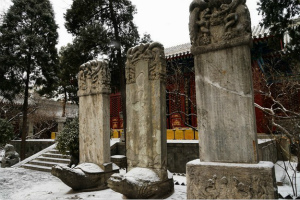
x=186, y=54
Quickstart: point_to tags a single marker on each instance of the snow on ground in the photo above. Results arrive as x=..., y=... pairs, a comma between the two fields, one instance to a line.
x=25, y=184
x=19, y=183
x=292, y=178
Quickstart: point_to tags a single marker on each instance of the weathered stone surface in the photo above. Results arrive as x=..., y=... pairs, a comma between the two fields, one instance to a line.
x=11, y=157
x=146, y=144
x=226, y=116
x=146, y=137
x=141, y=183
x=219, y=24
x=86, y=176
x=94, y=114
x=94, y=78
x=211, y=180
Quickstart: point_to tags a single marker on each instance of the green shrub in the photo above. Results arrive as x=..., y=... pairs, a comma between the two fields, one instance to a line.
x=68, y=139
x=6, y=132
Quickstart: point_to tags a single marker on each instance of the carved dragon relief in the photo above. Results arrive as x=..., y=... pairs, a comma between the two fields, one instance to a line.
x=228, y=187
x=154, y=53
x=94, y=77
x=219, y=22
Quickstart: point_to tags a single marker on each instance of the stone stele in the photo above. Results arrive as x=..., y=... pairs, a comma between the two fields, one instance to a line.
x=146, y=144
x=94, y=131
x=220, y=33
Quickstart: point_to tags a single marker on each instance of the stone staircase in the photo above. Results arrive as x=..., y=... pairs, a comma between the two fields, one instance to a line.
x=47, y=160
x=44, y=160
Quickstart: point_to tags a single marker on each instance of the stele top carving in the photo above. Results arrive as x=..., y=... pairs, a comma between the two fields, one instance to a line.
x=152, y=52
x=218, y=24
x=94, y=78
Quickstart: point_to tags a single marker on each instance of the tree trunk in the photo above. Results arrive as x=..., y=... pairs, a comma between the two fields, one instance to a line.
x=64, y=104
x=121, y=66
x=25, y=112
x=298, y=156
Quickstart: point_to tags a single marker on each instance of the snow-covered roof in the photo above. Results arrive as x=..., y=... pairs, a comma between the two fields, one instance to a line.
x=179, y=49
x=258, y=32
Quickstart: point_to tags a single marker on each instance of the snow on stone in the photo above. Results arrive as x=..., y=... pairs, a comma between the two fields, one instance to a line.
x=114, y=141
x=118, y=156
x=138, y=174
x=89, y=168
x=260, y=164
x=260, y=141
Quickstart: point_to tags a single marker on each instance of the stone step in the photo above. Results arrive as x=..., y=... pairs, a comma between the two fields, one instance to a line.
x=55, y=160
x=55, y=151
x=44, y=163
x=37, y=167
x=55, y=155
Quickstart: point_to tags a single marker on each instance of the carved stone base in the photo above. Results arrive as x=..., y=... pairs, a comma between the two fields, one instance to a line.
x=211, y=180
x=85, y=176
x=141, y=183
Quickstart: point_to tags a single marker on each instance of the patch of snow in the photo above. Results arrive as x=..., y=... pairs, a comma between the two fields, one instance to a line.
x=260, y=141
x=170, y=175
x=114, y=141
x=180, y=179
x=118, y=156
x=38, y=140
x=122, y=171
x=2, y=153
x=266, y=164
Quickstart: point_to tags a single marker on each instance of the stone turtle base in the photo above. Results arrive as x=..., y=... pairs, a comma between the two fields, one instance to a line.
x=141, y=186
x=85, y=176
x=213, y=180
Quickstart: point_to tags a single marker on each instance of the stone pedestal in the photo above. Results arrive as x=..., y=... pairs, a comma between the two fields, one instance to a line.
x=30, y=128
x=94, y=131
x=60, y=124
x=213, y=180
x=220, y=33
x=119, y=160
x=146, y=143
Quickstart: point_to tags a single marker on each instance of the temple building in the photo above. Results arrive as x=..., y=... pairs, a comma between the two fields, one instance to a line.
x=180, y=87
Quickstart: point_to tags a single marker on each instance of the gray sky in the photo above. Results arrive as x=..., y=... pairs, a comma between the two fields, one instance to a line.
x=165, y=20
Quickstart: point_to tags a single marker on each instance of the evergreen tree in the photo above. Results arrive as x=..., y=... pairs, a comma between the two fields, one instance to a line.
x=28, y=55
x=105, y=27
x=69, y=58
x=282, y=16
